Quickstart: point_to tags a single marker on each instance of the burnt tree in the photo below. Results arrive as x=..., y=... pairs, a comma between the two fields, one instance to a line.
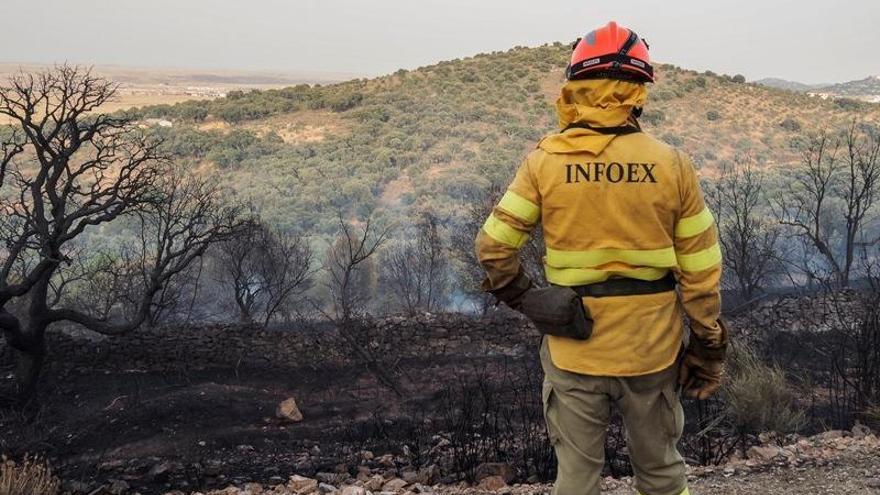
x=749, y=237
x=264, y=269
x=839, y=175
x=416, y=269
x=67, y=170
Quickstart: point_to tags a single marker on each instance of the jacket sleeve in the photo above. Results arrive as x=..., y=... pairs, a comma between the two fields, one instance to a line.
x=699, y=264
x=506, y=230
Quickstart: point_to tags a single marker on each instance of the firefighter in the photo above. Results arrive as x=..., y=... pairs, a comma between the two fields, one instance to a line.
x=627, y=230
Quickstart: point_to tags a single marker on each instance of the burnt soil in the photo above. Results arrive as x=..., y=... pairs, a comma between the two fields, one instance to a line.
x=208, y=428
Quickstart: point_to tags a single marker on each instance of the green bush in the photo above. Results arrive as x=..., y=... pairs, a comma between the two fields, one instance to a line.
x=790, y=124
x=673, y=139
x=713, y=115
x=848, y=104
x=653, y=117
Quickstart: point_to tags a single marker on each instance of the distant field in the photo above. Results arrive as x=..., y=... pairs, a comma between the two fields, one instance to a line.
x=143, y=86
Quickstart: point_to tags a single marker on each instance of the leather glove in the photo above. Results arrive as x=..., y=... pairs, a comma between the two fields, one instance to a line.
x=512, y=294
x=702, y=368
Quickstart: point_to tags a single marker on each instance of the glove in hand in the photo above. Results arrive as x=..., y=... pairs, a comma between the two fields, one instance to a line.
x=699, y=376
x=703, y=362
x=512, y=294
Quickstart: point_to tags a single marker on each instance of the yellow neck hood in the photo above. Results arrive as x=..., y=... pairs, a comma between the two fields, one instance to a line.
x=596, y=103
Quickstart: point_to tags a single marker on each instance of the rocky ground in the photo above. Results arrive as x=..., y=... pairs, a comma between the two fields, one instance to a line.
x=834, y=462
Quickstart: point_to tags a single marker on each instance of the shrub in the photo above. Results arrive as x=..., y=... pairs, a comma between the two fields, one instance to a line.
x=758, y=396
x=30, y=477
x=848, y=104
x=790, y=124
x=661, y=94
x=653, y=117
x=739, y=79
x=673, y=140
x=713, y=115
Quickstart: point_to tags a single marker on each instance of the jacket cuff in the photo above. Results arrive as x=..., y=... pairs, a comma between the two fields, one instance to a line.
x=714, y=351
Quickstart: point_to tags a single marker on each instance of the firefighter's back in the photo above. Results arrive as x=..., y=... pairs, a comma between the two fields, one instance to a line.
x=613, y=215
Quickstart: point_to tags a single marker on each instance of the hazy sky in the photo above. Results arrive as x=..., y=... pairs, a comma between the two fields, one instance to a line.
x=809, y=41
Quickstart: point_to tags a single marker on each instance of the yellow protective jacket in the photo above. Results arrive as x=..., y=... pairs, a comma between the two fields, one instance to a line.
x=612, y=206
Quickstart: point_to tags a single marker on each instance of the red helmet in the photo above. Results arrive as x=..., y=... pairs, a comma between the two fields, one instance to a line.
x=610, y=52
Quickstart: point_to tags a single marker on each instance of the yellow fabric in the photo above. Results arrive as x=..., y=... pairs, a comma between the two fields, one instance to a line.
x=504, y=233
x=519, y=206
x=701, y=260
x=612, y=206
x=597, y=103
x=697, y=224
x=591, y=258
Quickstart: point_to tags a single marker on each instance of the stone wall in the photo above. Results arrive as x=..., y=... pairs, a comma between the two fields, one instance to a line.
x=426, y=336
x=231, y=345
x=798, y=313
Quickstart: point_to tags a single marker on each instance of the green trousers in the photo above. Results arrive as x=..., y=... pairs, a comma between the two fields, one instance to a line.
x=577, y=409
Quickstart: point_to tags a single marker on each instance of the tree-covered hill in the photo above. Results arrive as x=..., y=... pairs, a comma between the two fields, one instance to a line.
x=435, y=137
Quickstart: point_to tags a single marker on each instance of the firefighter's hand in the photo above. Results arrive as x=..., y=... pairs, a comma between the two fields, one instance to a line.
x=512, y=294
x=700, y=376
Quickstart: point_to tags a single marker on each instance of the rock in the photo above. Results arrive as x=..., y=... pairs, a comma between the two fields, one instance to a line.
x=386, y=460
x=363, y=473
x=860, y=431
x=253, y=488
x=429, y=475
x=873, y=483
x=326, y=488
x=353, y=490
x=410, y=476
x=302, y=485
x=162, y=471
x=76, y=487
x=374, y=484
x=763, y=453
x=118, y=487
x=831, y=434
x=288, y=411
x=502, y=469
x=394, y=485
x=492, y=483
x=328, y=478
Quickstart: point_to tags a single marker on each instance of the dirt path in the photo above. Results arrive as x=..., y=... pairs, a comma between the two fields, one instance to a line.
x=848, y=476
x=851, y=473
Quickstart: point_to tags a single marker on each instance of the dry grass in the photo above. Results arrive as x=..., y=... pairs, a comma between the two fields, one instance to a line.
x=32, y=476
x=759, y=397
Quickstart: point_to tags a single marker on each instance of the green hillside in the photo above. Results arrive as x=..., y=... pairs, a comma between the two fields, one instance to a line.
x=436, y=136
